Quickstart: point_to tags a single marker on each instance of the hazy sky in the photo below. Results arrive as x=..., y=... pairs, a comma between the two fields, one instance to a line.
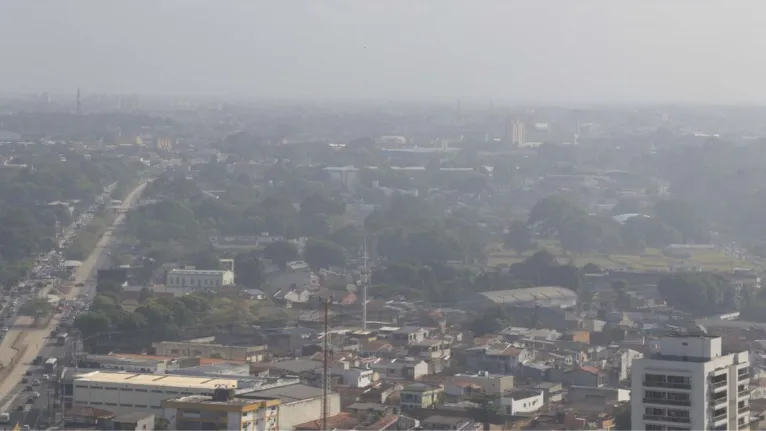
x=514, y=50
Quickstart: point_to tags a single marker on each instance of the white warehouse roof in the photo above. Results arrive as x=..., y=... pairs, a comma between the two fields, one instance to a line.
x=157, y=380
x=541, y=293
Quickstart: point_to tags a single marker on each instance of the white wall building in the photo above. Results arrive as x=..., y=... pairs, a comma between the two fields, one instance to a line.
x=689, y=384
x=522, y=401
x=198, y=279
x=127, y=392
x=352, y=376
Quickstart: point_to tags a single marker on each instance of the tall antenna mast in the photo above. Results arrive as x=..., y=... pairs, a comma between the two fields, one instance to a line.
x=79, y=107
x=365, y=283
x=325, y=373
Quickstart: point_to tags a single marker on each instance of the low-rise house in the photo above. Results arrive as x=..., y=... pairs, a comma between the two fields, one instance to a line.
x=399, y=369
x=502, y=358
x=518, y=401
x=205, y=347
x=467, y=385
x=552, y=391
x=293, y=295
x=409, y=335
x=354, y=377
x=430, y=349
x=420, y=396
x=535, y=371
x=581, y=376
x=454, y=423
x=596, y=396
x=378, y=349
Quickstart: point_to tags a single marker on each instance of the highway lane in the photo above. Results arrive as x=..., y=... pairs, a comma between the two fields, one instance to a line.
x=35, y=337
x=35, y=414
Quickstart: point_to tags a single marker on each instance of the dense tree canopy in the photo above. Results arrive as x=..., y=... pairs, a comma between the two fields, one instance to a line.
x=700, y=293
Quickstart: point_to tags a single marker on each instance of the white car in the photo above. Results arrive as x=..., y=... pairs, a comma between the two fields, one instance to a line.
x=36, y=394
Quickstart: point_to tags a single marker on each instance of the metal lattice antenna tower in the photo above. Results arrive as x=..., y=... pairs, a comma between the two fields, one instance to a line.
x=365, y=284
x=325, y=365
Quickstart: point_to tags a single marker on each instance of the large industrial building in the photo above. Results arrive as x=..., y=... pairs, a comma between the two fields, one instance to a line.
x=690, y=384
x=127, y=392
x=541, y=296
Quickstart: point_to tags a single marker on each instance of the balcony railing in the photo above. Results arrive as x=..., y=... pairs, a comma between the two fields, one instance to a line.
x=745, y=376
x=667, y=419
x=719, y=385
x=663, y=401
x=719, y=417
x=655, y=384
x=743, y=392
x=743, y=409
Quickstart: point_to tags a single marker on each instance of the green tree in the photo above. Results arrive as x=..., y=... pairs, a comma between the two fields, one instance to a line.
x=207, y=260
x=682, y=216
x=248, y=270
x=487, y=410
x=698, y=293
x=145, y=295
x=318, y=203
x=622, y=299
x=92, y=322
x=349, y=237
x=518, y=238
x=281, y=252
x=36, y=307
x=592, y=268
x=323, y=254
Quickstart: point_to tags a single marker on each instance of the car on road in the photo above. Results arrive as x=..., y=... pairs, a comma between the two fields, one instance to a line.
x=36, y=394
x=35, y=382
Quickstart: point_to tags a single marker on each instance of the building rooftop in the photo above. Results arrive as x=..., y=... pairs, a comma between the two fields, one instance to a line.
x=295, y=366
x=239, y=400
x=291, y=393
x=178, y=271
x=157, y=380
x=118, y=360
x=531, y=294
x=521, y=393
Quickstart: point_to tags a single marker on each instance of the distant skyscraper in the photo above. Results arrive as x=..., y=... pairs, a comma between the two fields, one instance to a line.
x=690, y=384
x=515, y=133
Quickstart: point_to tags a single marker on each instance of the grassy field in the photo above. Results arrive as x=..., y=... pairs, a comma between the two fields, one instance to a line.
x=650, y=260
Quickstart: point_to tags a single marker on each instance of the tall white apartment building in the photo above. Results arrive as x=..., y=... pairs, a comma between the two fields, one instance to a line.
x=689, y=384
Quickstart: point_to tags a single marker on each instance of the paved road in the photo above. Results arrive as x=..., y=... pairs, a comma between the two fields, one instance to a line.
x=36, y=337
x=34, y=414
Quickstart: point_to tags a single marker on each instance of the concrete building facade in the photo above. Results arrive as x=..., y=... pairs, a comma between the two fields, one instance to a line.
x=223, y=410
x=198, y=279
x=689, y=383
x=127, y=392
